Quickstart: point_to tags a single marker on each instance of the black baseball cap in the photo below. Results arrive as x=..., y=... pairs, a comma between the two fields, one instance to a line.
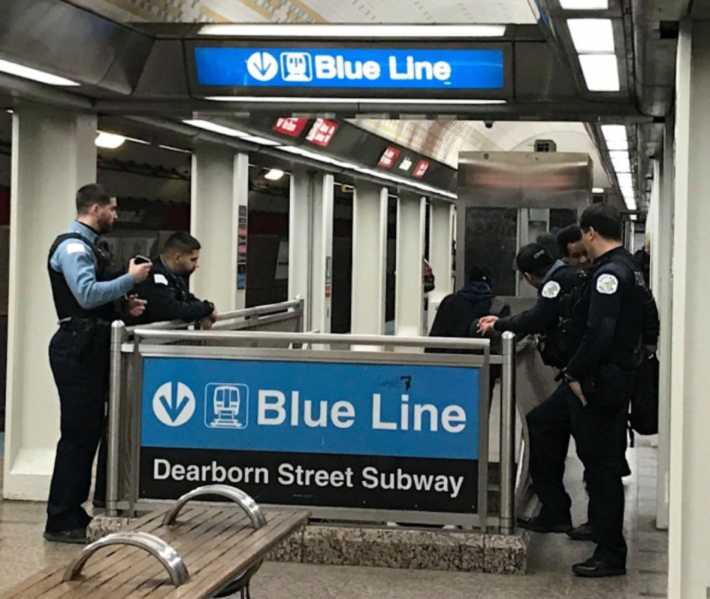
x=533, y=258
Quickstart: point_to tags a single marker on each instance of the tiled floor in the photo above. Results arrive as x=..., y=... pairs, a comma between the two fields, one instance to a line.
x=22, y=552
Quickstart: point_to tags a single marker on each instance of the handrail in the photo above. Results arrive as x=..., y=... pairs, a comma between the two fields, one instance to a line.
x=158, y=548
x=239, y=497
x=234, y=314
x=316, y=338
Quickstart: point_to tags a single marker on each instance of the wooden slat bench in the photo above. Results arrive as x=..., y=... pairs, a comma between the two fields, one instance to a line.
x=197, y=552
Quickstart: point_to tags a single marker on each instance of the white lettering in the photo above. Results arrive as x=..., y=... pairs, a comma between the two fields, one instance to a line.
x=394, y=74
x=193, y=473
x=419, y=410
x=271, y=406
x=377, y=423
x=161, y=469
x=343, y=414
x=294, y=408
x=451, y=416
x=405, y=413
x=442, y=70
x=178, y=472
x=423, y=70
x=456, y=484
x=370, y=480
x=371, y=70
x=325, y=67
x=308, y=415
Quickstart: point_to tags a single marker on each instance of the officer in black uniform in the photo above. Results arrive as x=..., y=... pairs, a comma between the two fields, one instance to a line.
x=85, y=293
x=554, y=280
x=166, y=288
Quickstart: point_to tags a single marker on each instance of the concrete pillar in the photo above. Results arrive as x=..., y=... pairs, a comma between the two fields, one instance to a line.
x=53, y=154
x=689, y=527
x=409, y=300
x=219, y=212
x=662, y=257
x=441, y=239
x=322, y=252
x=369, y=269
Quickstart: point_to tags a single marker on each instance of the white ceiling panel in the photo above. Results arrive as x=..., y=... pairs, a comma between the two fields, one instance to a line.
x=317, y=11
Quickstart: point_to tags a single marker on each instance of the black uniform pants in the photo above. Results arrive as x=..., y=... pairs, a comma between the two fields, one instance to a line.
x=82, y=378
x=598, y=430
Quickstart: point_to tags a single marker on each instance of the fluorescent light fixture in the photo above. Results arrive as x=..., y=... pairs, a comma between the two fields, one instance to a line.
x=584, y=4
x=622, y=144
x=135, y=140
x=255, y=139
x=273, y=100
x=630, y=202
x=214, y=127
x=426, y=32
x=614, y=133
x=110, y=141
x=591, y=35
x=274, y=174
x=634, y=217
x=625, y=180
x=598, y=190
x=18, y=70
x=601, y=72
x=173, y=149
x=621, y=163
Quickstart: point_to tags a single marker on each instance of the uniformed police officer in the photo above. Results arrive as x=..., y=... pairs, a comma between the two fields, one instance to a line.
x=85, y=293
x=166, y=288
x=553, y=279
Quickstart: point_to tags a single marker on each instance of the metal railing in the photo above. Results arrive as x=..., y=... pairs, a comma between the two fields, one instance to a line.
x=131, y=346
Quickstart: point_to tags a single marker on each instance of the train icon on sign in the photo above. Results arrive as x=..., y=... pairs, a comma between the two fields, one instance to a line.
x=226, y=406
x=296, y=67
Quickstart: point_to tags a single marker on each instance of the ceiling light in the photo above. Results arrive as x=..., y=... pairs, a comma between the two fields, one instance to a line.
x=621, y=162
x=255, y=139
x=110, y=141
x=625, y=180
x=584, y=4
x=274, y=174
x=591, y=35
x=12, y=68
x=425, y=32
x=601, y=72
x=634, y=217
x=622, y=144
x=173, y=149
x=214, y=127
x=614, y=133
x=389, y=101
x=598, y=190
x=630, y=202
x=135, y=140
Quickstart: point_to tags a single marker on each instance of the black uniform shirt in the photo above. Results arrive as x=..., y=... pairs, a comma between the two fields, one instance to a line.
x=617, y=298
x=544, y=315
x=168, y=298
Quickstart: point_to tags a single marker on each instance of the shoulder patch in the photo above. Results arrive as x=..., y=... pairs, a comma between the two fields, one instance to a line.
x=607, y=284
x=76, y=248
x=551, y=290
x=160, y=279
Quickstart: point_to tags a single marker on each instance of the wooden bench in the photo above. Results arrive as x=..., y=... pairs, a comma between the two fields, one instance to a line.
x=181, y=552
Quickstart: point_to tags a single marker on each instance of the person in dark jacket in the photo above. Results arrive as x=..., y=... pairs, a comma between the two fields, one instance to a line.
x=166, y=288
x=458, y=311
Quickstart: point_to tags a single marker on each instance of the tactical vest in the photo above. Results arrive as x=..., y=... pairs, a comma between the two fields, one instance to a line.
x=65, y=303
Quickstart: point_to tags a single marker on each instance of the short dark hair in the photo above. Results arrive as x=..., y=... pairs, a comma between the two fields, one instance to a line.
x=604, y=219
x=548, y=241
x=571, y=234
x=181, y=242
x=91, y=195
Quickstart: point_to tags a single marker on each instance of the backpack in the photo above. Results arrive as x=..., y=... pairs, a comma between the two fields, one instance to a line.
x=643, y=414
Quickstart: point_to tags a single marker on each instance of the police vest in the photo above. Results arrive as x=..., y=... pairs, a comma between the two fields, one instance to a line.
x=65, y=303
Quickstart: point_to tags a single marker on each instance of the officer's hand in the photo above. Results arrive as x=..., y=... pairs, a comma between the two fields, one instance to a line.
x=576, y=388
x=486, y=324
x=213, y=316
x=136, y=306
x=206, y=323
x=139, y=272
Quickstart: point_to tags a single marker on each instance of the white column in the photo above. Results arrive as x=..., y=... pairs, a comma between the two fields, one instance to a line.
x=409, y=300
x=220, y=188
x=662, y=241
x=53, y=154
x=441, y=239
x=322, y=252
x=369, y=268
x=689, y=550
x=299, y=239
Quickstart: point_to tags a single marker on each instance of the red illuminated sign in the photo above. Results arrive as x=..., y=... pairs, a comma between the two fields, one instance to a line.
x=389, y=157
x=322, y=132
x=421, y=169
x=290, y=126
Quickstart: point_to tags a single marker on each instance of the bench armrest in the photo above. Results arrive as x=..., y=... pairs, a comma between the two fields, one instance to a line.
x=250, y=506
x=158, y=548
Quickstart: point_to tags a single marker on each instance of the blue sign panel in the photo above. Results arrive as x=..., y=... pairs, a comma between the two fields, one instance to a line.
x=309, y=433
x=368, y=69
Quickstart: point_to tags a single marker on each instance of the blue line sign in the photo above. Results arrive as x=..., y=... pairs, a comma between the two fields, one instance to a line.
x=368, y=69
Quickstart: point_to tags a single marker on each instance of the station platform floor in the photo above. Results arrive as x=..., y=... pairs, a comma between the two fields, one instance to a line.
x=23, y=552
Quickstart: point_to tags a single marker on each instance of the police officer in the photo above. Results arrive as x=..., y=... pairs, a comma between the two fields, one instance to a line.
x=553, y=279
x=166, y=288
x=85, y=293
